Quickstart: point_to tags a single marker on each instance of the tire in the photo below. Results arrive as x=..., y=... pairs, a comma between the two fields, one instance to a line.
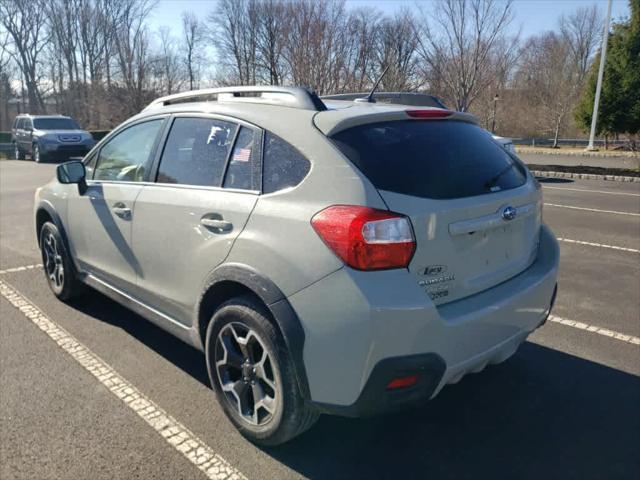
x=282, y=413
x=18, y=154
x=58, y=267
x=36, y=154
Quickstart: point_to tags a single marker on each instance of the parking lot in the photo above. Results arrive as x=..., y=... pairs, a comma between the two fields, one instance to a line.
x=567, y=405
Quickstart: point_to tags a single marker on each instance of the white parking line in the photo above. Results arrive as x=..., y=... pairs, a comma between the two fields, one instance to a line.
x=592, y=209
x=601, y=245
x=592, y=191
x=177, y=435
x=594, y=329
x=20, y=269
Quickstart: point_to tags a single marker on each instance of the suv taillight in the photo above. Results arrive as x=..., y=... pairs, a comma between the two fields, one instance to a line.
x=366, y=238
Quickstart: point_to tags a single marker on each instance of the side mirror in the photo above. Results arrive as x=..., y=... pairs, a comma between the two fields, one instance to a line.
x=73, y=172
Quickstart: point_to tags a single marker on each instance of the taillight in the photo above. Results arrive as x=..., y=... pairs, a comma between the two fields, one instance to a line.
x=435, y=113
x=366, y=238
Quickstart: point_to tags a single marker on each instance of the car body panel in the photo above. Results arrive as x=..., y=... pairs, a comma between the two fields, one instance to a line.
x=102, y=239
x=353, y=320
x=175, y=250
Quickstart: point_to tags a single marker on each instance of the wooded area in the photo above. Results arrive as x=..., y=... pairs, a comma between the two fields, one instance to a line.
x=100, y=62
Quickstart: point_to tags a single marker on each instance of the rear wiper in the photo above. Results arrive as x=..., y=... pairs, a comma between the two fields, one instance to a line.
x=493, y=180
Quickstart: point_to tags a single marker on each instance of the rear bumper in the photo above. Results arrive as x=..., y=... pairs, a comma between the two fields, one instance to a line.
x=363, y=329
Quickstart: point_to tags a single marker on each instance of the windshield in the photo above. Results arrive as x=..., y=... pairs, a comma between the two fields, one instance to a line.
x=430, y=159
x=55, y=124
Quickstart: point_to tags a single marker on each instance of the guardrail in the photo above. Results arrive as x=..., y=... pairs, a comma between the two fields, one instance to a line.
x=566, y=142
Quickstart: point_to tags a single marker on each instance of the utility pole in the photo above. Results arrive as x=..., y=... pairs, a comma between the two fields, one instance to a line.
x=603, y=56
x=493, y=122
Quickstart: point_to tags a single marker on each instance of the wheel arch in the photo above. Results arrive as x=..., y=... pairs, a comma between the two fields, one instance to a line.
x=46, y=212
x=231, y=280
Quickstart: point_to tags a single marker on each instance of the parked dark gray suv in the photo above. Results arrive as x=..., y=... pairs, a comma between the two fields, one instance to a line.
x=49, y=136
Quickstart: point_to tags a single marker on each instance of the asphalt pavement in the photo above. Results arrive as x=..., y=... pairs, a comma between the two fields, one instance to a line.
x=567, y=405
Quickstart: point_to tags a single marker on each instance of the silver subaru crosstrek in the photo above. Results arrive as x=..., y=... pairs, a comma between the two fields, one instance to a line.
x=344, y=257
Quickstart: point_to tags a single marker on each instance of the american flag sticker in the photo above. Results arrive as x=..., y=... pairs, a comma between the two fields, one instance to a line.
x=242, y=155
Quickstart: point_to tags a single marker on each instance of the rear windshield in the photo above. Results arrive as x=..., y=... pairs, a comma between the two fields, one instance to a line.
x=431, y=159
x=54, y=124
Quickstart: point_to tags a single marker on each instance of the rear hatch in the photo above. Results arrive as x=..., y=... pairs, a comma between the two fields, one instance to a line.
x=475, y=216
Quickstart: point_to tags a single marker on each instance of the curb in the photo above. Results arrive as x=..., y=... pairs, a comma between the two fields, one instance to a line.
x=586, y=176
x=570, y=153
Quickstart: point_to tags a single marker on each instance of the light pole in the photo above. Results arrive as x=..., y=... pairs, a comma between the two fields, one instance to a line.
x=493, y=121
x=603, y=56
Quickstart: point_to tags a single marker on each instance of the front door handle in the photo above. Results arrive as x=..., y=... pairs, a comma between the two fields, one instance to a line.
x=216, y=224
x=121, y=210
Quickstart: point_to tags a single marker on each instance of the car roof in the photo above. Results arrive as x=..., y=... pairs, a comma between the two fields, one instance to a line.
x=284, y=109
x=29, y=115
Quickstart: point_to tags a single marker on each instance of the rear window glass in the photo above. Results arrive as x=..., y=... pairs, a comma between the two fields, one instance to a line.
x=431, y=159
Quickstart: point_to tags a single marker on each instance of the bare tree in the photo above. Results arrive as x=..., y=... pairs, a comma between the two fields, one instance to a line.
x=582, y=31
x=168, y=63
x=24, y=21
x=271, y=37
x=361, y=61
x=193, y=32
x=459, y=45
x=132, y=48
x=551, y=77
x=234, y=33
x=397, y=47
x=314, y=51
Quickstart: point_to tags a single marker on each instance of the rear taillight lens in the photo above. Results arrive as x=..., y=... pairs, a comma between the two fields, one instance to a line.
x=366, y=238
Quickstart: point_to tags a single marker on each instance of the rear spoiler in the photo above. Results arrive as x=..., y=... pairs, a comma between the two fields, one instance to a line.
x=331, y=122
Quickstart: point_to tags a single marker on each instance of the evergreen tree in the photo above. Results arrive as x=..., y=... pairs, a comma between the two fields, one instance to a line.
x=619, y=110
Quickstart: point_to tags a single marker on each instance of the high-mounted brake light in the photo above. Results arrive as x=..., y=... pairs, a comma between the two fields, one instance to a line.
x=366, y=238
x=434, y=113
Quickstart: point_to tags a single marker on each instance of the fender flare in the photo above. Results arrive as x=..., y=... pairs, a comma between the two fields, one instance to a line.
x=283, y=313
x=51, y=211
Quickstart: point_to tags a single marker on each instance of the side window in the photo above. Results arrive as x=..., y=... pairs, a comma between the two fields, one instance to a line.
x=90, y=165
x=126, y=156
x=283, y=165
x=196, y=152
x=241, y=172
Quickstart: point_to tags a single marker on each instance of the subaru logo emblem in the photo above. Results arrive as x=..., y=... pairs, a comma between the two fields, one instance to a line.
x=509, y=213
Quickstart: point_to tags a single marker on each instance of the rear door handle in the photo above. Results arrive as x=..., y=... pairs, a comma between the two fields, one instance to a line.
x=216, y=224
x=121, y=210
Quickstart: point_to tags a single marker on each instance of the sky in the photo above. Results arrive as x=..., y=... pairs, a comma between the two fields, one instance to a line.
x=532, y=16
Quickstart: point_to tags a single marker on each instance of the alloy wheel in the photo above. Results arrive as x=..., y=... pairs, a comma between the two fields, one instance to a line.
x=246, y=373
x=53, y=261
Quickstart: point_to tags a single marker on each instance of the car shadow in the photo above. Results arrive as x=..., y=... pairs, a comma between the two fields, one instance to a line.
x=542, y=414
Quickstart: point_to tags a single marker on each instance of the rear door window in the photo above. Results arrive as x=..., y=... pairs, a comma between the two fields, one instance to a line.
x=196, y=152
x=430, y=159
x=243, y=171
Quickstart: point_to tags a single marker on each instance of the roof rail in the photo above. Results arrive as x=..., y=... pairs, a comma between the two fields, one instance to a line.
x=399, y=98
x=295, y=97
